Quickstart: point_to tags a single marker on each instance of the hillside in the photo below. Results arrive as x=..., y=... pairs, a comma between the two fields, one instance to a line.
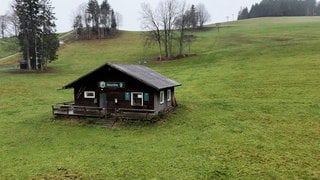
x=8, y=51
x=8, y=46
x=248, y=108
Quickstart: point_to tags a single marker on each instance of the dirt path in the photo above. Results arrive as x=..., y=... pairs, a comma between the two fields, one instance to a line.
x=10, y=65
x=5, y=58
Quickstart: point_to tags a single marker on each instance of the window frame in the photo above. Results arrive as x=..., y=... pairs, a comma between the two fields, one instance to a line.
x=161, y=97
x=87, y=96
x=132, y=98
x=169, y=94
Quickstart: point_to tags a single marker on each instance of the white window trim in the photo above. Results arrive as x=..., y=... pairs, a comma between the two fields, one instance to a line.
x=87, y=94
x=169, y=95
x=161, y=98
x=138, y=93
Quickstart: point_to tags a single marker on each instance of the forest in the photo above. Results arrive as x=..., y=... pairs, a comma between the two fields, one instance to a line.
x=277, y=8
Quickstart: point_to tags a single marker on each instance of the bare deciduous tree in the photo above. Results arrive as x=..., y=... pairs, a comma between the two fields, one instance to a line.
x=181, y=25
x=161, y=23
x=168, y=11
x=13, y=23
x=202, y=14
x=151, y=23
x=3, y=25
x=168, y=23
x=10, y=22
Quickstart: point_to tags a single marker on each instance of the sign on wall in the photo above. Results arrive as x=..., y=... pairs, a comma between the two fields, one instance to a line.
x=111, y=85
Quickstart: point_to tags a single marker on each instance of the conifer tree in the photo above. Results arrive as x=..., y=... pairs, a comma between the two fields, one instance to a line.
x=271, y=8
x=105, y=16
x=94, y=12
x=193, y=17
x=99, y=20
x=37, y=37
x=243, y=14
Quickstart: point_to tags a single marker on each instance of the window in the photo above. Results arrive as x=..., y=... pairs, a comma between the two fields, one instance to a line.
x=161, y=97
x=127, y=96
x=169, y=95
x=137, y=99
x=146, y=96
x=89, y=94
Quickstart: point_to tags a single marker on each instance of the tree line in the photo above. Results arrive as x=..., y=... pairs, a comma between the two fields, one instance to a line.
x=94, y=20
x=273, y=8
x=170, y=23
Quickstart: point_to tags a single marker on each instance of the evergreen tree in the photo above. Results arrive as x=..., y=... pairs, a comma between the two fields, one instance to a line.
x=77, y=25
x=94, y=12
x=99, y=20
x=193, y=17
x=105, y=16
x=267, y=8
x=243, y=14
x=37, y=37
x=49, y=40
x=113, y=20
x=29, y=24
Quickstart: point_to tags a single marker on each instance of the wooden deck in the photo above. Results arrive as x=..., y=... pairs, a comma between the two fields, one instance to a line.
x=135, y=114
x=78, y=111
x=70, y=110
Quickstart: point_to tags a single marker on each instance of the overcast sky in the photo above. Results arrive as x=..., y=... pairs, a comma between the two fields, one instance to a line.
x=130, y=10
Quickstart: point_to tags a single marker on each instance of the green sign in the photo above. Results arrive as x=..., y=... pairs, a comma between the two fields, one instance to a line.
x=115, y=85
x=101, y=84
x=111, y=85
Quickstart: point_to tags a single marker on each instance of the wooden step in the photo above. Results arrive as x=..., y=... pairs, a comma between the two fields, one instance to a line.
x=108, y=123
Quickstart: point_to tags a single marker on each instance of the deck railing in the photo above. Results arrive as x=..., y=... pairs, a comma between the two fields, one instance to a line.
x=69, y=109
x=80, y=111
x=140, y=114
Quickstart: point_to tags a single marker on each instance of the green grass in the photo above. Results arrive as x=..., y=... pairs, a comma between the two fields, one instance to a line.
x=8, y=46
x=249, y=109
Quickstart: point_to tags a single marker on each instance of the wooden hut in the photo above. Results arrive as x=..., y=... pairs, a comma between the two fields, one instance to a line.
x=127, y=91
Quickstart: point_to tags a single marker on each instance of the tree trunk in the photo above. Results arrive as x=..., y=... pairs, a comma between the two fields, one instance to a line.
x=170, y=44
x=181, y=41
x=160, y=50
x=35, y=52
x=166, y=47
x=2, y=33
x=26, y=49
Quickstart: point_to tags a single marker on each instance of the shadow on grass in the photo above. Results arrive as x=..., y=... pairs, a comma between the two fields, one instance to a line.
x=22, y=71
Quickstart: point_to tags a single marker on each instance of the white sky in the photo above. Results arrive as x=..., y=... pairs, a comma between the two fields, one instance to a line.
x=130, y=10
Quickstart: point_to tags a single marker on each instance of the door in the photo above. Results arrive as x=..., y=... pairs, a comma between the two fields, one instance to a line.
x=103, y=100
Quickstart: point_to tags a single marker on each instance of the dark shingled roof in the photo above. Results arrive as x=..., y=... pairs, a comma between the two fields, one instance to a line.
x=138, y=72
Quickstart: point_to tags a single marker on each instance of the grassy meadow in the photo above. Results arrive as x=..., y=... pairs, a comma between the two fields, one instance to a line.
x=249, y=108
x=8, y=46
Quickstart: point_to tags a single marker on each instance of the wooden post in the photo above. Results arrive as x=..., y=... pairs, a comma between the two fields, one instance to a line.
x=104, y=111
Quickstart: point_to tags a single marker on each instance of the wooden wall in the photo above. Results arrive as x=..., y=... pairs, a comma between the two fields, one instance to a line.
x=90, y=83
